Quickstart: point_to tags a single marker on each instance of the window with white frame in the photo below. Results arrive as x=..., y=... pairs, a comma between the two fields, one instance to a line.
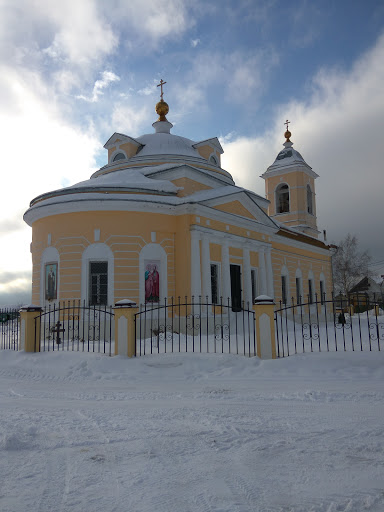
x=215, y=283
x=98, y=283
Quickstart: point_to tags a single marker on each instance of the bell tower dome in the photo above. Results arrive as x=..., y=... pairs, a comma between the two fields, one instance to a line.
x=290, y=188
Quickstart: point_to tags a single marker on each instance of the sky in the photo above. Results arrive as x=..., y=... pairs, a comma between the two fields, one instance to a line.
x=73, y=73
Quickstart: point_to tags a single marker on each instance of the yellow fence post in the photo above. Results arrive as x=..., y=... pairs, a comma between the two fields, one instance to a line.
x=265, y=327
x=125, y=339
x=29, y=329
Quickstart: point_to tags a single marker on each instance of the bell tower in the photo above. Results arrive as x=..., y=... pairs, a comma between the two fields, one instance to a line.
x=290, y=188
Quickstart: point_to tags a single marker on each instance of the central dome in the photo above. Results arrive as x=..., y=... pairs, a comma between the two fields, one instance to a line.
x=167, y=144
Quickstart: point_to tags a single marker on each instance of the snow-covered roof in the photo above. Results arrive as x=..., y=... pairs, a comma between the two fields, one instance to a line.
x=127, y=180
x=289, y=157
x=167, y=144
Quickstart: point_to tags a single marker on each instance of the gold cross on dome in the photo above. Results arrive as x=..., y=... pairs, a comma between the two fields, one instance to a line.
x=287, y=123
x=161, y=88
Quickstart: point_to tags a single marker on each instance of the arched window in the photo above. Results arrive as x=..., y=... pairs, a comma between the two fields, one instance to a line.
x=213, y=160
x=322, y=288
x=284, y=285
x=119, y=156
x=309, y=200
x=299, y=286
x=282, y=198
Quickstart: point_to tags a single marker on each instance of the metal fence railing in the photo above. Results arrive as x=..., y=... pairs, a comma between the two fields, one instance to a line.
x=9, y=328
x=338, y=324
x=195, y=325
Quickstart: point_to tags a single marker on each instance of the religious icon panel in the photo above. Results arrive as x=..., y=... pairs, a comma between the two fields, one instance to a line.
x=152, y=280
x=51, y=281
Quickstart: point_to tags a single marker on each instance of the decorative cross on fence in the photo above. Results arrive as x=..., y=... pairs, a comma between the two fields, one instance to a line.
x=58, y=329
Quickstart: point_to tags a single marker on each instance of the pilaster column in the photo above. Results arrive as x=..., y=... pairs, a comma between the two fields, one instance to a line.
x=247, y=280
x=270, y=286
x=225, y=270
x=206, y=268
x=195, y=264
x=263, y=273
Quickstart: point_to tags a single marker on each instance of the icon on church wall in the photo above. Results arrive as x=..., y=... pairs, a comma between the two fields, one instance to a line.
x=152, y=281
x=51, y=281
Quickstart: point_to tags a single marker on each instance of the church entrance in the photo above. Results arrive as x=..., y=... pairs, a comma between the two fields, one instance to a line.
x=236, y=287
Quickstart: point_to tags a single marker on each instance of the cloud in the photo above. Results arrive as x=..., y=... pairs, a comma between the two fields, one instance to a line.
x=338, y=130
x=195, y=42
x=107, y=77
x=15, y=288
x=12, y=224
x=41, y=148
x=130, y=119
x=240, y=77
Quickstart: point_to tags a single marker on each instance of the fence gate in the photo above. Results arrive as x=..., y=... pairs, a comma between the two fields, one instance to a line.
x=9, y=329
x=328, y=325
x=195, y=326
x=71, y=326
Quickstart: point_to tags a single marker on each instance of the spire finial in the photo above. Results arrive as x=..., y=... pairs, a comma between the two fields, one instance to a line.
x=161, y=88
x=162, y=107
x=287, y=134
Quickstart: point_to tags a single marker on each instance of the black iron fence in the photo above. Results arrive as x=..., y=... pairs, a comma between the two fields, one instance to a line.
x=195, y=325
x=9, y=328
x=74, y=326
x=339, y=324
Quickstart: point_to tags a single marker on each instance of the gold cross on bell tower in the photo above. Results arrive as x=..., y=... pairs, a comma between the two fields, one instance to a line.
x=287, y=123
x=161, y=88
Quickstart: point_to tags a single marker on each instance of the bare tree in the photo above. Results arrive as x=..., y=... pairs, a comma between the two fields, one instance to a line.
x=349, y=264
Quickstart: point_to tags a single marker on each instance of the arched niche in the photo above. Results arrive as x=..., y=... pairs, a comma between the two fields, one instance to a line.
x=49, y=264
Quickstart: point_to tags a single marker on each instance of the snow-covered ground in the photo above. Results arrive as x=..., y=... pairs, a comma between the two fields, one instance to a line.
x=191, y=432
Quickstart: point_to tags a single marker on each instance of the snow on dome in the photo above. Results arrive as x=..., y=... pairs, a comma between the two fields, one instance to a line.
x=167, y=144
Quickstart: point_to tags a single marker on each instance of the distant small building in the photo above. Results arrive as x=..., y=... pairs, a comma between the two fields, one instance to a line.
x=366, y=290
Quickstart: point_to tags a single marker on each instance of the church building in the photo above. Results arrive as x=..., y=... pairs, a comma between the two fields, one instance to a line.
x=163, y=219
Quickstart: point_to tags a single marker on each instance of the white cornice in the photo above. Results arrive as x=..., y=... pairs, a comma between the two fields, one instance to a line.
x=289, y=169
x=236, y=240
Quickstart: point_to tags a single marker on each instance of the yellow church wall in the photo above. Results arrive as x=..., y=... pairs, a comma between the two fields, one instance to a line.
x=129, y=148
x=77, y=232
x=205, y=151
x=189, y=186
x=254, y=258
x=110, y=152
x=233, y=229
x=297, y=182
x=183, y=255
x=215, y=252
x=306, y=260
x=235, y=207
